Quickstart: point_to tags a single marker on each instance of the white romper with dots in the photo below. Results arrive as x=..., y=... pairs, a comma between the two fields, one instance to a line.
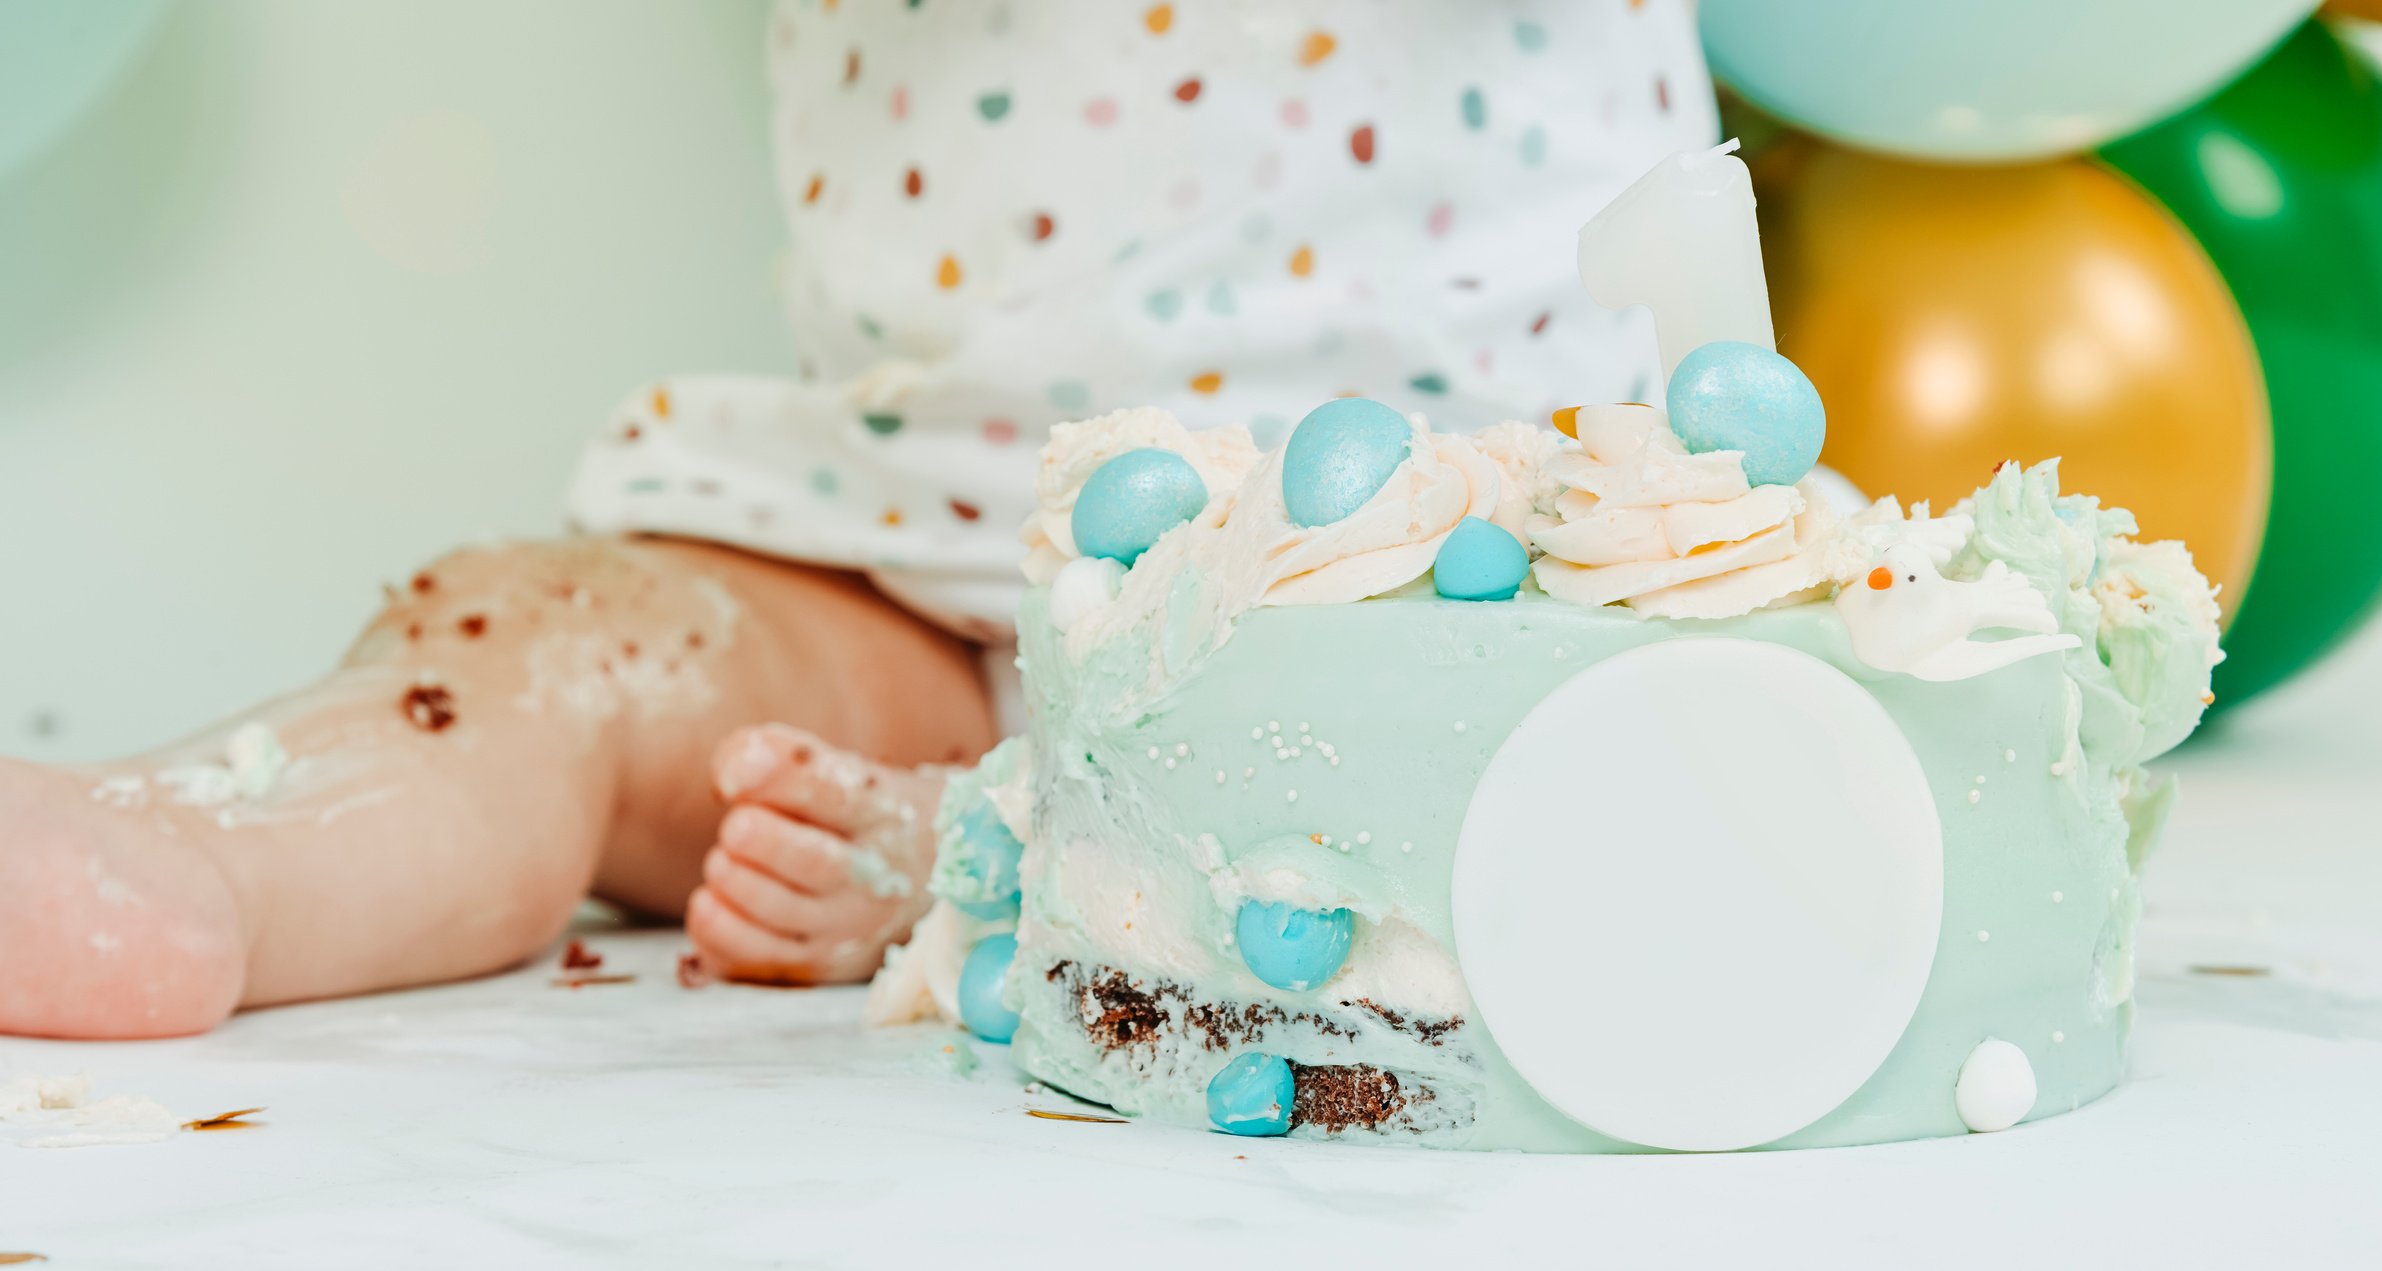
x=1004, y=215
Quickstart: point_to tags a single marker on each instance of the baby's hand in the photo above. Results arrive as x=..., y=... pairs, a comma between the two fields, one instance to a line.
x=822, y=860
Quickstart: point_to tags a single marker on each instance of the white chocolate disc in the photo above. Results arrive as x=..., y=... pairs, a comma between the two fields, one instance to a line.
x=1697, y=893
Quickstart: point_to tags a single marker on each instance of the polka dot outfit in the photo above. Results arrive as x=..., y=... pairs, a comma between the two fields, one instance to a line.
x=1003, y=215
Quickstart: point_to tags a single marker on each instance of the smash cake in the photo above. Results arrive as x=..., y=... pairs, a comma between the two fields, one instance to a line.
x=1607, y=786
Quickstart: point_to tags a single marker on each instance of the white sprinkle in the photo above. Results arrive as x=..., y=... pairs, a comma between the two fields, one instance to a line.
x=1295, y=752
x=1273, y=725
x=1257, y=734
x=2058, y=1036
x=1306, y=739
x=1170, y=761
x=1976, y=796
x=1335, y=760
x=1980, y=778
x=1346, y=849
x=1247, y=773
x=1182, y=748
x=1405, y=847
x=1984, y=936
x=1303, y=728
x=1459, y=725
x=1280, y=753
x=1327, y=748
x=1153, y=752
x=1324, y=839
x=1294, y=796
x=1219, y=776
x=2058, y=896
x=2009, y=756
x=1364, y=836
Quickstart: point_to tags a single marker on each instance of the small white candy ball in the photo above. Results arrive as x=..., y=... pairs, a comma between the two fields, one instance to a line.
x=1996, y=1088
x=1084, y=586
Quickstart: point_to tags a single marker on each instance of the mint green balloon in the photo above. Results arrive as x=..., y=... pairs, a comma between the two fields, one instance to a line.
x=56, y=58
x=1985, y=80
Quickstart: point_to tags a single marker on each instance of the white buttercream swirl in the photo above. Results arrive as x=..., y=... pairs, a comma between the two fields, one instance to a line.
x=1221, y=456
x=1641, y=522
x=1523, y=453
x=1385, y=544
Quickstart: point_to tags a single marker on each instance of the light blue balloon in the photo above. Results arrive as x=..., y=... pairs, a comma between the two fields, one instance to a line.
x=1134, y=498
x=1340, y=455
x=1728, y=395
x=991, y=864
x=1479, y=561
x=1252, y=1096
x=980, y=981
x=1292, y=948
x=1986, y=80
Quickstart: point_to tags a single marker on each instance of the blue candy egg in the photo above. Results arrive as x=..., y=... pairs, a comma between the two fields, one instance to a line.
x=993, y=854
x=1728, y=395
x=1252, y=1095
x=1134, y=498
x=1340, y=455
x=980, y=980
x=1292, y=948
x=1479, y=561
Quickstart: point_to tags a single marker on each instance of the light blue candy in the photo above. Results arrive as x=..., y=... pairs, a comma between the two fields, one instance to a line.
x=1729, y=395
x=1479, y=561
x=1252, y=1095
x=993, y=854
x=1292, y=948
x=980, y=980
x=1340, y=455
x=1134, y=498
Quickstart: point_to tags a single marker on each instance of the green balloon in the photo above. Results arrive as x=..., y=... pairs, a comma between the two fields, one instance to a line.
x=2280, y=178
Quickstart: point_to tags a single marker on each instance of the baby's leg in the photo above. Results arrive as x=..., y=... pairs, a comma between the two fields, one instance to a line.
x=522, y=724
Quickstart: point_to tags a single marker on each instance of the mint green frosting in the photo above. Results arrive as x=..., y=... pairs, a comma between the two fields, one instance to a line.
x=958, y=876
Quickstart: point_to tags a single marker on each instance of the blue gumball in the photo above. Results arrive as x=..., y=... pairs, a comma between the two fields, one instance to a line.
x=1340, y=455
x=980, y=980
x=1292, y=948
x=1728, y=395
x=1132, y=499
x=1252, y=1095
x=991, y=863
x=1479, y=561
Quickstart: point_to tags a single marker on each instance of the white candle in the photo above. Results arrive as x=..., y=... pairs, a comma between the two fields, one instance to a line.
x=1682, y=242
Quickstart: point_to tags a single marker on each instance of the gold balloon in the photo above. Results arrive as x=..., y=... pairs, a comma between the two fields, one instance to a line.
x=1953, y=318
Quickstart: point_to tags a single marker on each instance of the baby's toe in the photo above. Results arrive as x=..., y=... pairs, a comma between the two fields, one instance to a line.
x=785, y=768
x=763, y=898
x=802, y=856
x=734, y=947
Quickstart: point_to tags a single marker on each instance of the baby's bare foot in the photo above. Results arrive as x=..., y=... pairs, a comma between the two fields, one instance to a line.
x=822, y=860
x=110, y=926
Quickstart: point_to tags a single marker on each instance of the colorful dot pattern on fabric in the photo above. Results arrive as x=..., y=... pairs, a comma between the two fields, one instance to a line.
x=1474, y=108
x=1006, y=214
